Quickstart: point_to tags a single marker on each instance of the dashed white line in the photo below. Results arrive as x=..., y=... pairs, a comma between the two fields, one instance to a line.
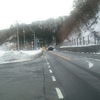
x=45, y=58
x=50, y=71
x=53, y=78
x=48, y=63
x=48, y=66
x=60, y=95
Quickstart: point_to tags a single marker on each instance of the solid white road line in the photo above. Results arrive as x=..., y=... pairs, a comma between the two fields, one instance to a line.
x=50, y=71
x=53, y=78
x=59, y=93
x=90, y=64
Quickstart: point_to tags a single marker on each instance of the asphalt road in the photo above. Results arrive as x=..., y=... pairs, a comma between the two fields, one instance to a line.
x=54, y=76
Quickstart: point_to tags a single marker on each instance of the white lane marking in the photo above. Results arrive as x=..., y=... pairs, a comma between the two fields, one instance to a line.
x=50, y=71
x=60, y=95
x=90, y=64
x=47, y=61
x=94, y=59
x=97, y=59
x=48, y=66
x=45, y=58
x=53, y=78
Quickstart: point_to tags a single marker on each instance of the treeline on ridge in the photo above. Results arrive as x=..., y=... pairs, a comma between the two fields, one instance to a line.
x=54, y=29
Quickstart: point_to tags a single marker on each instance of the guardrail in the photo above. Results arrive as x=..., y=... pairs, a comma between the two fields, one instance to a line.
x=85, y=49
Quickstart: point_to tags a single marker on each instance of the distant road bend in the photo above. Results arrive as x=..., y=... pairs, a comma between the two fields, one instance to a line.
x=57, y=75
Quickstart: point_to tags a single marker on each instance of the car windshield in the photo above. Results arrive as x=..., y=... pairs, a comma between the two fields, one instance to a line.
x=49, y=49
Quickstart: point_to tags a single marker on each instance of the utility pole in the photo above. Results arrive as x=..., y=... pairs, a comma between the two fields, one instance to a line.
x=34, y=39
x=35, y=42
x=24, y=35
x=17, y=37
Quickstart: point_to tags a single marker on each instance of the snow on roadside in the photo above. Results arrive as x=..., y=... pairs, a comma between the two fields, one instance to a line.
x=8, y=55
x=7, y=46
x=2, y=53
x=15, y=56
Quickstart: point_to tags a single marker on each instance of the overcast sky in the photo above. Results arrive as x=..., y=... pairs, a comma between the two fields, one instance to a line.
x=27, y=11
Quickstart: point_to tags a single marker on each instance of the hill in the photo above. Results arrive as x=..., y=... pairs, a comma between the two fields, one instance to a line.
x=81, y=27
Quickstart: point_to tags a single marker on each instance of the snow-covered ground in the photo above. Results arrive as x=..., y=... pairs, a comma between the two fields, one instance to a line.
x=15, y=56
x=11, y=56
x=88, y=35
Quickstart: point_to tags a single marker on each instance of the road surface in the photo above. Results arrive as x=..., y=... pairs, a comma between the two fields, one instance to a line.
x=54, y=76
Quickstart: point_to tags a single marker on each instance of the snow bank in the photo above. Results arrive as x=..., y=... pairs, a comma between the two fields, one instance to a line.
x=2, y=53
x=7, y=46
x=15, y=56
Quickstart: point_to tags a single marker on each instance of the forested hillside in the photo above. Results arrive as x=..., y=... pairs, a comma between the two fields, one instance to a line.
x=44, y=30
x=84, y=15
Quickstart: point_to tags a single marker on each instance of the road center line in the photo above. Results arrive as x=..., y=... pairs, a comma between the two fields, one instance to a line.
x=50, y=71
x=60, y=56
x=59, y=93
x=53, y=78
x=47, y=63
x=48, y=66
x=45, y=58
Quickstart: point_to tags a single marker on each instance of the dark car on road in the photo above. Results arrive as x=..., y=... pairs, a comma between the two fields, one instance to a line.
x=50, y=48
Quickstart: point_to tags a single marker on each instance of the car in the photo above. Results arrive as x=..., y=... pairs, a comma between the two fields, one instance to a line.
x=50, y=49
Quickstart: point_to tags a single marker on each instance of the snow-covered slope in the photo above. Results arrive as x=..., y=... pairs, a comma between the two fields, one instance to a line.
x=88, y=35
